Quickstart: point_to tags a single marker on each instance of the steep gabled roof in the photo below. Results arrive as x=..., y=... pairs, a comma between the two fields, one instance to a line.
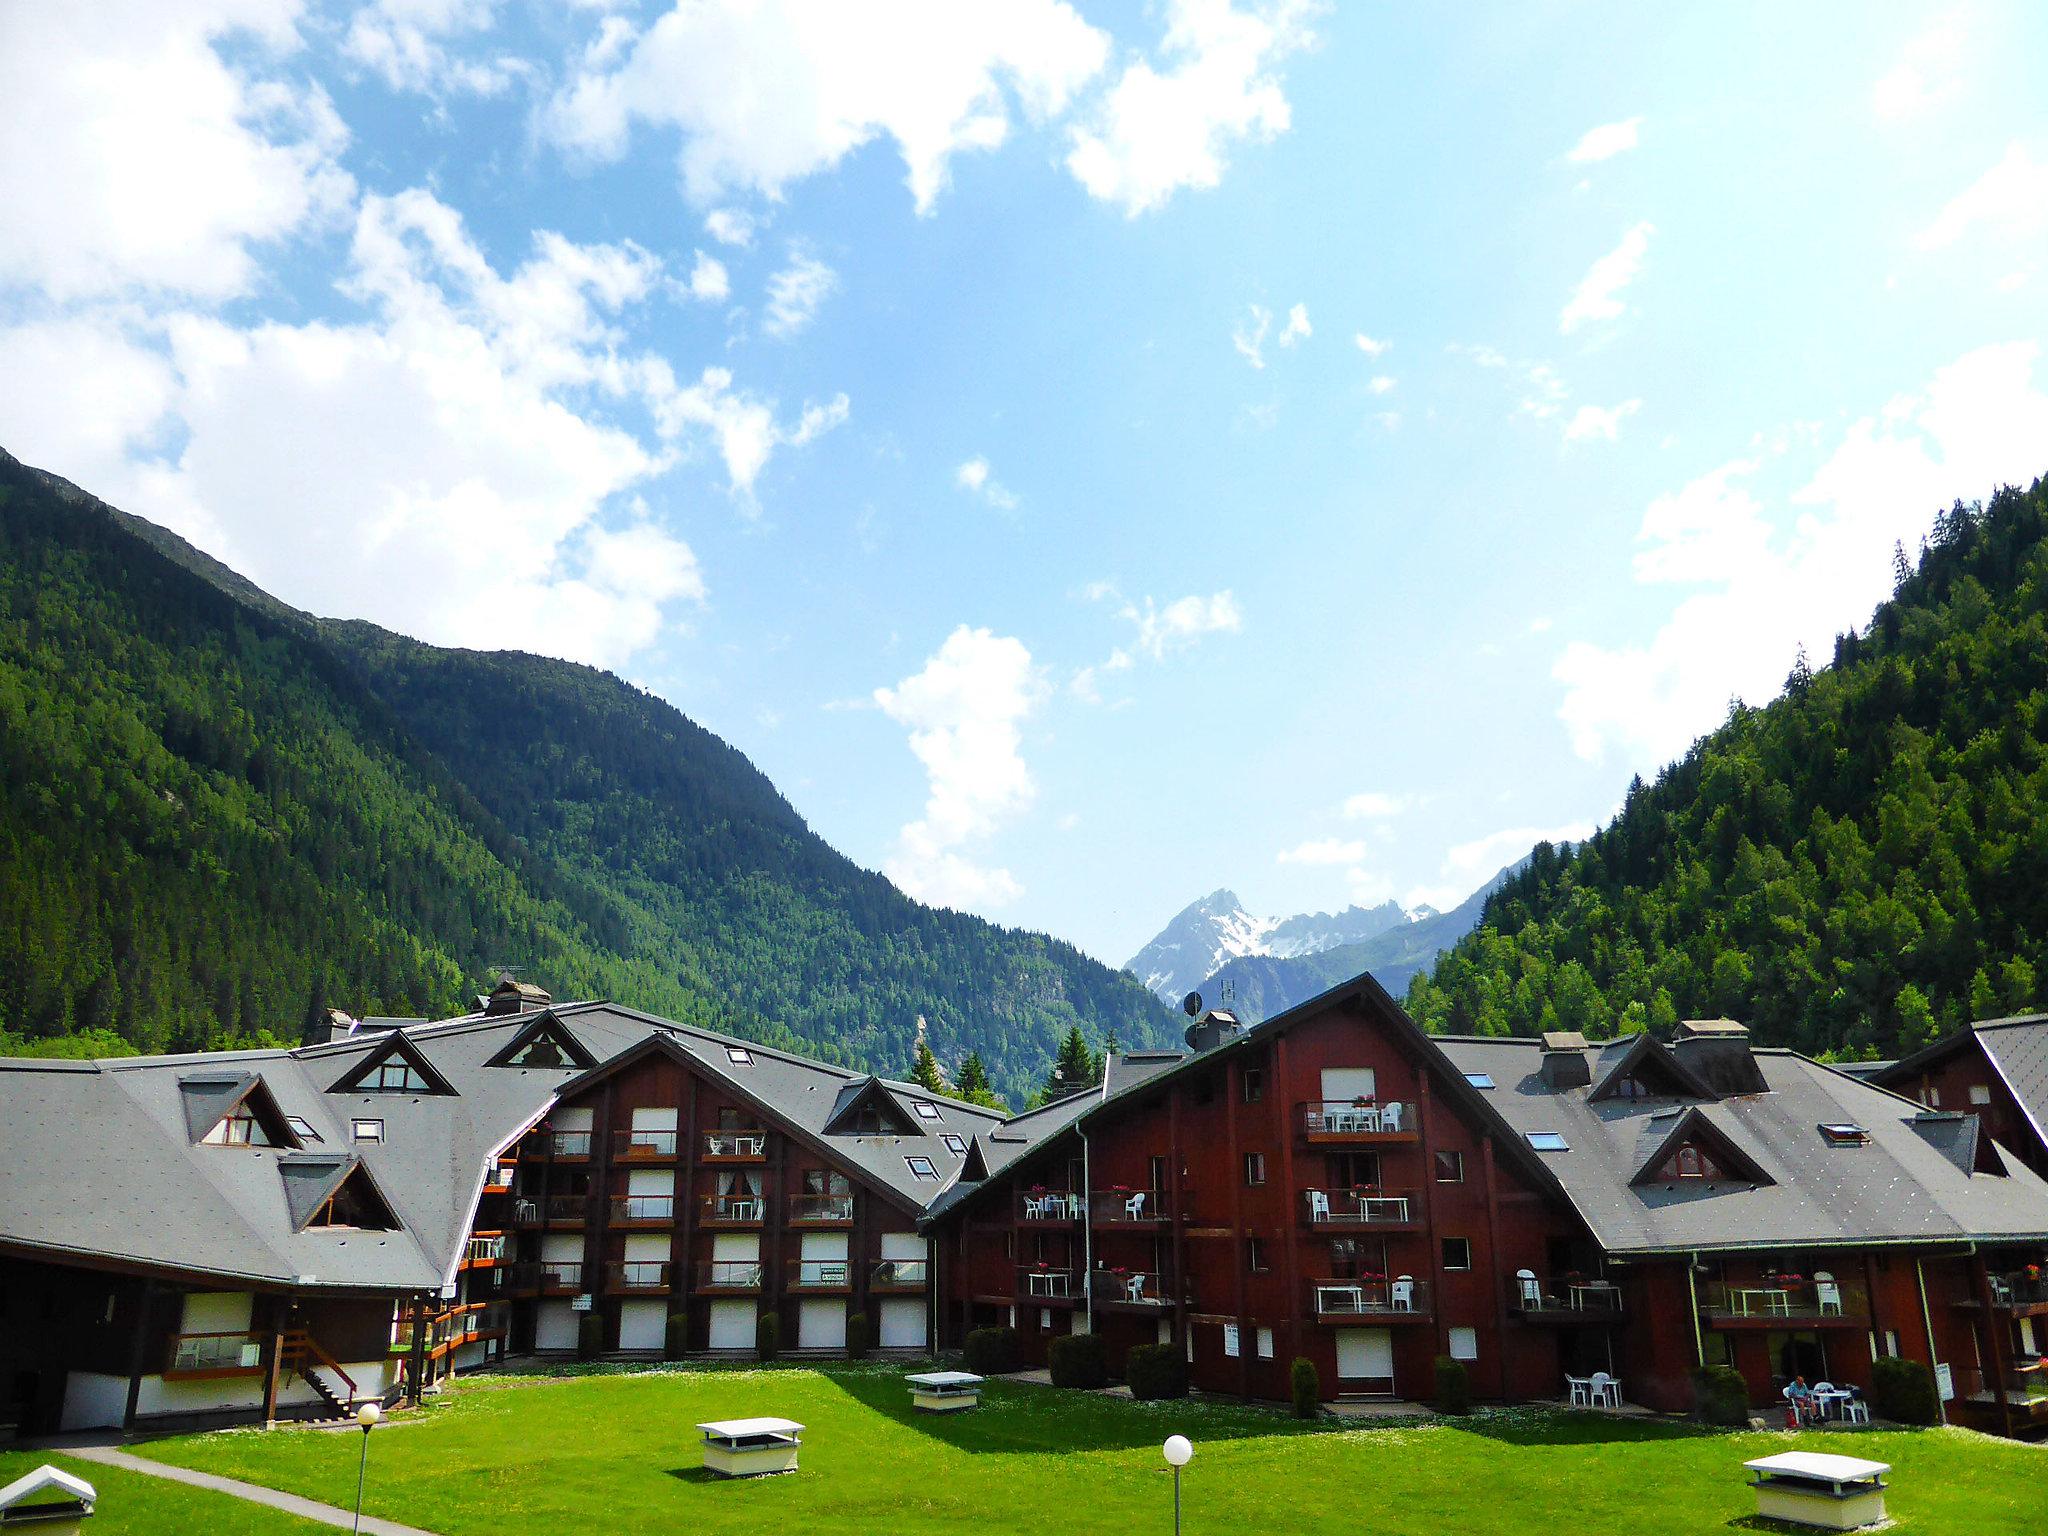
x=210, y=1097
x=546, y=1025
x=1650, y=1062
x=312, y=1179
x=397, y=1046
x=855, y=1097
x=1695, y=1127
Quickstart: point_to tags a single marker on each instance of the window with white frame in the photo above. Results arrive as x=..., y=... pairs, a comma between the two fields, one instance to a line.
x=925, y=1111
x=1230, y=1340
x=1464, y=1343
x=394, y=1074
x=303, y=1127
x=739, y=1055
x=1265, y=1343
x=366, y=1130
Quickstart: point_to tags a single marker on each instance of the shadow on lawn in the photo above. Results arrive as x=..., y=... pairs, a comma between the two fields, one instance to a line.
x=1551, y=1426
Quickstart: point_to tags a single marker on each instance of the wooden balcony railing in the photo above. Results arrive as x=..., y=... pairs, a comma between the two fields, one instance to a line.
x=484, y=1250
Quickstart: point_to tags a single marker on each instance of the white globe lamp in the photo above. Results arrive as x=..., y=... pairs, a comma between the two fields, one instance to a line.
x=1179, y=1451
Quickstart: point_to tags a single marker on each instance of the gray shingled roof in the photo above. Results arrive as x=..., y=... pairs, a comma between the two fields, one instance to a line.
x=1899, y=1187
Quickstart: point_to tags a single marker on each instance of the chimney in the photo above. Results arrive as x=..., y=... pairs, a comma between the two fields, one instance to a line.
x=1717, y=1053
x=510, y=996
x=340, y=1025
x=1212, y=1029
x=1564, y=1060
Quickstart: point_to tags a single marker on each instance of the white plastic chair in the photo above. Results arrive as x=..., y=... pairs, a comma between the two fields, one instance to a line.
x=1532, y=1290
x=1134, y=1208
x=1402, y=1296
x=1390, y=1117
x=1135, y=1288
x=1318, y=1205
x=1581, y=1388
x=1854, y=1409
x=1606, y=1391
x=1827, y=1293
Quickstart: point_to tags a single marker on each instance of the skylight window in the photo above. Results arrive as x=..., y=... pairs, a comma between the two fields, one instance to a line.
x=302, y=1128
x=1548, y=1141
x=922, y=1168
x=925, y=1111
x=1479, y=1079
x=366, y=1130
x=954, y=1144
x=1843, y=1134
x=739, y=1056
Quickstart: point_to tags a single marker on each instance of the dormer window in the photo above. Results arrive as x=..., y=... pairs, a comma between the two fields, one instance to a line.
x=239, y=1128
x=223, y=1110
x=394, y=1075
x=1689, y=1162
x=396, y=1066
x=1631, y=1088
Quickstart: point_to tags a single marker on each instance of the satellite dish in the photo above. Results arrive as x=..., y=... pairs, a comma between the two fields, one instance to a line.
x=1191, y=1005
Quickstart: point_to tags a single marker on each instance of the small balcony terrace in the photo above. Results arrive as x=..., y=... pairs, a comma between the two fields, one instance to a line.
x=644, y=1277
x=821, y=1210
x=1358, y=1122
x=1042, y=1206
x=201, y=1356
x=731, y=1277
x=1396, y=1299
x=1117, y=1206
x=1563, y=1299
x=735, y=1146
x=643, y=1210
x=1771, y=1301
x=734, y=1211
x=1047, y=1282
x=648, y=1147
x=1130, y=1290
x=902, y=1277
x=818, y=1277
x=1359, y=1208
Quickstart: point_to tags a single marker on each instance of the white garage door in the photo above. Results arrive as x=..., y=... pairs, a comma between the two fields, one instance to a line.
x=1365, y=1360
x=821, y=1324
x=732, y=1324
x=903, y=1322
x=643, y=1324
x=555, y=1326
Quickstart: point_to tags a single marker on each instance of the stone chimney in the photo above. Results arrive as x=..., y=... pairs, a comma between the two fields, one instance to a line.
x=1717, y=1052
x=340, y=1025
x=510, y=996
x=1564, y=1060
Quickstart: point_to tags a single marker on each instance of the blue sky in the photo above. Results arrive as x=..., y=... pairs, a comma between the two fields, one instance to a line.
x=1085, y=455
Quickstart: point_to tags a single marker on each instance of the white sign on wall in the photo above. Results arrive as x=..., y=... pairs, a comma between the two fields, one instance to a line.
x=1945, y=1380
x=579, y=1303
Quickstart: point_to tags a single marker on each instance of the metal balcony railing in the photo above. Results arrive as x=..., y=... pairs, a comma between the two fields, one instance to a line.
x=1357, y=1119
x=730, y=1274
x=639, y=1275
x=1136, y=1287
x=1126, y=1207
x=899, y=1275
x=819, y=1275
x=1378, y=1297
x=821, y=1208
x=215, y=1352
x=561, y=1275
x=643, y=1208
x=1578, y=1295
x=651, y=1144
x=736, y=1145
x=1358, y=1207
x=1043, y=1282
x=736, y=1210
x=484, y=1250
x=2019, y=1288
x=568, y=1143
x=1048, y=1205
x=1804, y=1298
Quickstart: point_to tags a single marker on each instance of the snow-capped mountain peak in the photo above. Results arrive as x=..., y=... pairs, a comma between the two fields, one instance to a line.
x=1206, y=933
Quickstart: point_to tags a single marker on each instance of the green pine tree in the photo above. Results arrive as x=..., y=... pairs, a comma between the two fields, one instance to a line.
x=924, y=1069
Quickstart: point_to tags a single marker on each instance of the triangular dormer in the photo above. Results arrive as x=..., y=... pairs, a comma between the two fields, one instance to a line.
x=396, y=1066
x=1649, y=1070
x=228, y=1109
x=869, y=1109
x=322, y=1191
x=546, y=1042
x=974, y=1166
x=1697, y=1151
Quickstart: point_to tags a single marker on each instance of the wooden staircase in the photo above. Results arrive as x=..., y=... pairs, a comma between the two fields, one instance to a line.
x=304, y=1355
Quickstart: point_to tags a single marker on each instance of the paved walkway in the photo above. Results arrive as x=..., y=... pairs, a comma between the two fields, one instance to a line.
x=290, y=1503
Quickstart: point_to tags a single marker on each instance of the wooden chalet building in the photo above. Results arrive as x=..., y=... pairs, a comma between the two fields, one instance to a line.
x=1996, y=1070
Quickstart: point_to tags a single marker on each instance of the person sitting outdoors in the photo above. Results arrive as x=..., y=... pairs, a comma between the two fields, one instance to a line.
x=1801, y=1397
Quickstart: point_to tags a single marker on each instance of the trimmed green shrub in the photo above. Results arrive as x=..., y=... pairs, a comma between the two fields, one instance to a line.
x=1305, y=1387
x=767, y=1337
x=589, y=1336
x=1720, y=1396
x=1079, y=1360
x=1903, y=1391
x=675, y=1342
x=991, y=1351
x=1453, y=1386
x=1155, y=1372
x=858, y=1341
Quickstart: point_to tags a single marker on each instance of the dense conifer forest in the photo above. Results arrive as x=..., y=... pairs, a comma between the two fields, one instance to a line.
x=1854, y=868
x=222, y=817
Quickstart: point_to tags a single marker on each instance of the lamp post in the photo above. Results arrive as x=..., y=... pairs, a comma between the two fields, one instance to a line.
x=1178, y=1453
x=367, y=1416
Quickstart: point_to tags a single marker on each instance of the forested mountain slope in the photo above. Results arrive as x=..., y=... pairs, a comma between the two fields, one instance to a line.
x=222, y=816
x=1854, y=868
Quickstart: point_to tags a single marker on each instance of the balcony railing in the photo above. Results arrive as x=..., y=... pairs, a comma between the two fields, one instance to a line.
x=498, y=1178
x=1133, y=1288
x=561, y=1275
x=566, y=1143
x=654, y=1208
x=1398, y=1297
x=2019, y=1288
x=1358, y=1208
x=1126, y=1208
x=899, y=1275
x=2023, y=1389
x=1042, y=1282
x=1566, y=1295
x=1809, y=1300
x=834, y=1210
x=651, y=1144
x=484, y=1250
x=214, y=1353
x=736, y=1146
x=639, y=1275
x=735, y=1210
x=729, y=1275
x=1048, y=1205
x=819, y=1275
x=1358, y=1119
x=551, y=1209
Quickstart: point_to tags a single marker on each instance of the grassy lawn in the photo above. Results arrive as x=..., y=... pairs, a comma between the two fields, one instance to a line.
x=617, y=1452
x=131, y=1504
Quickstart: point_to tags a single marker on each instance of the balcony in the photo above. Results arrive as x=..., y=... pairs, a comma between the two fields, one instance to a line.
x=643, y=1210
x=739, y=1277
x=649, y=1147
x=1564, y=1299
x=646, y=1276
x=899, y=1276
x=735, y=1146
x=734, y=1211
x=560, y=1277
x=819, y=1277
x=484, y=1249
x=1328, y=1122
x=1359, y=1208
x=2024, y=1390
x=1772, y=1302
x=498, y=1178
x=1383, y=1300
x=1140, y=1209
x=561, y=1145
x=1130, y=1290
x=2023, y=1291
x=1055, y=1206
x=197, y=1356
x=1044, y=1282
x=821, y=1210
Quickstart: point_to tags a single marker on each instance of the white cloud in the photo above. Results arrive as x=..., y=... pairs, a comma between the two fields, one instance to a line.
x=1182, y=622
x=974, y=478
x=1297, y=328
x=1762, y=588
x=1467, y=866
x=1926, y=73
x=743, y=425
x=964, y=711
x=1382, y=383
x=1542, y=392
x=1374, y=805
x=407, y=43
x=2011, y=198
x=1606, y=141
x=1369, y=346
x=1327, y=850
x=709, y=280
x=796, y=292
x=1249, y=338
x=137, y=158
x=767, y=92
x=1598, y=296
x=730, y=226
x=1595, y=421
x=1159, y=130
